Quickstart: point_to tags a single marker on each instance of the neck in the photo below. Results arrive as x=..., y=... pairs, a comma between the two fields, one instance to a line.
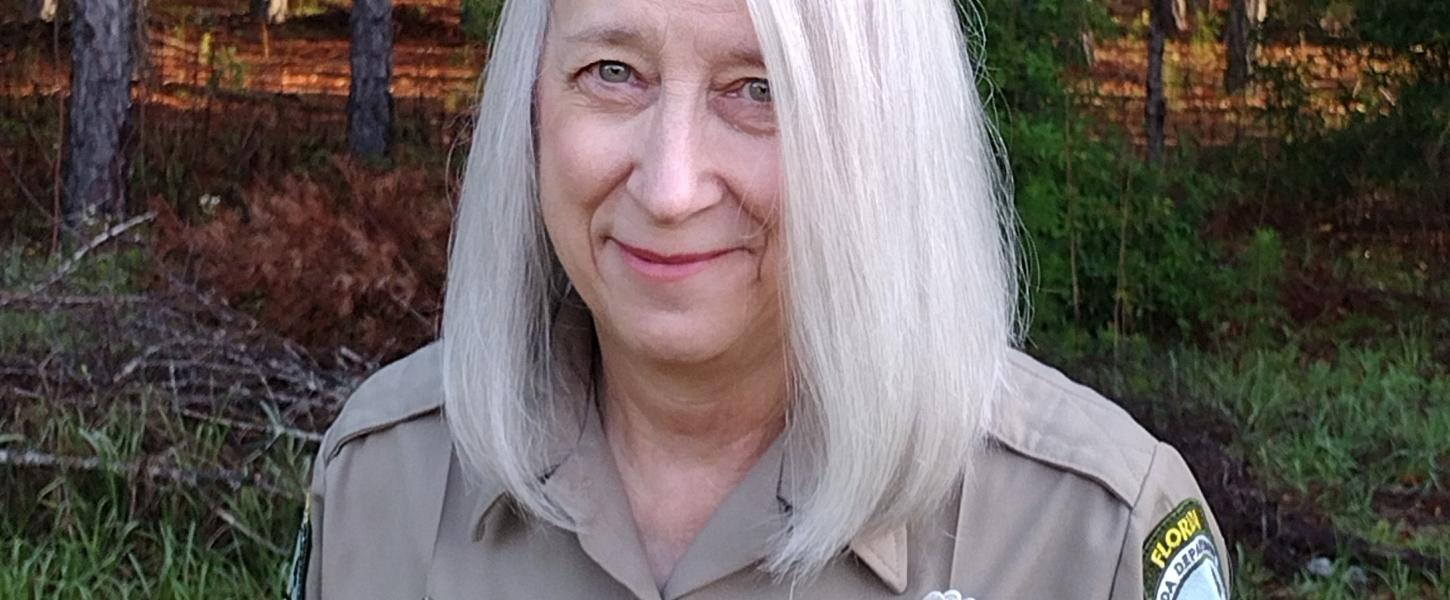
x=684, y=437
x=727, y=410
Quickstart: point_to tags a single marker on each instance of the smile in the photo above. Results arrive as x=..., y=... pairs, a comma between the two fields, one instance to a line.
x=668, y=267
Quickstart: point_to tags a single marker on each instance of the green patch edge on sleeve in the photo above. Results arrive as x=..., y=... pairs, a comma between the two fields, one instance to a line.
x=301, y=555
x=1153, y=567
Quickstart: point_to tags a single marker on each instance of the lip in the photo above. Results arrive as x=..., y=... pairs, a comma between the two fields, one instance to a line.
x=668, y=267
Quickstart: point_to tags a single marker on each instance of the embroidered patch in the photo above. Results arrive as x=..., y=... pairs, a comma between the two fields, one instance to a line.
x=947, y=595
x=301, y=553
x=1181, y=561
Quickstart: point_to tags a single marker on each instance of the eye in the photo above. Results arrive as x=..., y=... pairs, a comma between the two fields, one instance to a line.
x=758, y=90
x=614, y=72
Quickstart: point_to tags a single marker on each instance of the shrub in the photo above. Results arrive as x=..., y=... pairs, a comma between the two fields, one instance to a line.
x=343, y=257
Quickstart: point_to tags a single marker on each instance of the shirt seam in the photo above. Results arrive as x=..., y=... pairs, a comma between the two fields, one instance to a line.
x=1062, y=399
x=1132, y=515
x=372, y=426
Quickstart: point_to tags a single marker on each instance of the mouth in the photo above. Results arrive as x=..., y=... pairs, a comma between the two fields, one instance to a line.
x=668, y=267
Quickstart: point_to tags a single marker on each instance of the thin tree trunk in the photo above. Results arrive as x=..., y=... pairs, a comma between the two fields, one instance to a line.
x=369, y=101
x=1160, y=21
x=1179, y=15
x=100, y=102
x=1243, y=17
x=41, y=10
x=269, y=11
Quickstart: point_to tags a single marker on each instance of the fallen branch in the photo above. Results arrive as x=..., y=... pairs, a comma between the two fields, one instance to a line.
x=8, y=298
x=74, y=261
x=241, y=528
x=234, y=480
x=271, y=429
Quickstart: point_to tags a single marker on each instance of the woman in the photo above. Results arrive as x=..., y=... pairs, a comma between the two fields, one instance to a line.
x=730, y=315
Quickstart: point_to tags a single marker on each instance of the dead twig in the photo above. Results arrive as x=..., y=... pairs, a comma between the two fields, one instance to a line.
x=41, y=300
x=20, y=185
x=74, y=261
x=251, y=534
x=269, y=429
x=233, y=479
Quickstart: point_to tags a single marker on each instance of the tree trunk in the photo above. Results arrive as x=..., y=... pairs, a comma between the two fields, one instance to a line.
x=100, y=102
x=1159, y=23
x=1180, y=15
x=369, y=101
x=41, y=10
x=1239, y=43
x=269, y=11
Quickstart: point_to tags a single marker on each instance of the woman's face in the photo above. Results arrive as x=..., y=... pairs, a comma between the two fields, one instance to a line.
x=659, y=174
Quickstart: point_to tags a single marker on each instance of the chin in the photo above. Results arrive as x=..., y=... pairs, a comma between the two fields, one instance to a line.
x=676, y=338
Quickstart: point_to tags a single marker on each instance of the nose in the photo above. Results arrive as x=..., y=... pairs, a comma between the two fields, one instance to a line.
x=673, y=178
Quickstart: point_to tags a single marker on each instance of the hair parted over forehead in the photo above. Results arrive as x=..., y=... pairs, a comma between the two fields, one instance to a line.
x=900, y=283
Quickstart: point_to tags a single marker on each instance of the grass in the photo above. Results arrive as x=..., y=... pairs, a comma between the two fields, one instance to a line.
x=1334, y=432
x=110, y=532
x=1357, y=437
x=1359, y=434
x=90, y=534
x=1342, y=432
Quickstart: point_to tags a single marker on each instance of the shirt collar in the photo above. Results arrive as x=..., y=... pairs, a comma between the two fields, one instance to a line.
x=884, y=553
x=585, y=483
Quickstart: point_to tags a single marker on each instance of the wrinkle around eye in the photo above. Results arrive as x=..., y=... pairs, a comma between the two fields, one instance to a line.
x=589, y=82
x=747, y=116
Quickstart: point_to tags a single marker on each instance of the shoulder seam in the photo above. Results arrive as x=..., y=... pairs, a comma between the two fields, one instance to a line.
x=1045, y=459
x=1027, y=437
x=401, y=391
x=1133, y=511
x=375, y=426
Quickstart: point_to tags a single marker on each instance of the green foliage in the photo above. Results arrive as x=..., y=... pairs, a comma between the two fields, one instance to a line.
x=1414, y=28
x=1392, y=140
x=480, y=17
x=1398, y=151
x=92, y=534
x=1256, y=307
x=1114, y=243
x=1029, y=48
x=1352, y=432
x=1356, y=434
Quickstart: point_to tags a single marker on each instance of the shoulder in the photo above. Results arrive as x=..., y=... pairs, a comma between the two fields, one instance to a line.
x=1049, y=418
x=1051, y=428
x=378, y=485
x=406, y=390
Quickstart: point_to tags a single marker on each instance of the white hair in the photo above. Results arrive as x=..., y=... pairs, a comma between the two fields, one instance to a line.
x=900, y=288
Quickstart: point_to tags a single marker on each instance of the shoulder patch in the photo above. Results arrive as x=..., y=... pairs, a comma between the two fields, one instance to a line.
x=1181, y=560
x=301, y=554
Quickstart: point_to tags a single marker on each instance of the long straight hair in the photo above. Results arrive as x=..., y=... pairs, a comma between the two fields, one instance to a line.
x=901, y=282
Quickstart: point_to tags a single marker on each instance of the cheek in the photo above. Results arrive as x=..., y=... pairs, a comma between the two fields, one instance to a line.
x=580, y=161
x=755, y=174
x=579, y=157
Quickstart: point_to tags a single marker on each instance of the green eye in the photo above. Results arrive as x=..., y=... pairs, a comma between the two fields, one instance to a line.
x=614, y=72
x=758, y=90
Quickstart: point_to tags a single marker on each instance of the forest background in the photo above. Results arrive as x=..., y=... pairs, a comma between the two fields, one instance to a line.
x=1236, y=212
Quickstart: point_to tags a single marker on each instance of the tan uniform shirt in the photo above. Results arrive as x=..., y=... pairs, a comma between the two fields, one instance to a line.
x=1072, y=500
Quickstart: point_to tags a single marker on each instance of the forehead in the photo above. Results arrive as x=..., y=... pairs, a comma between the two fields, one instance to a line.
x=713, y=26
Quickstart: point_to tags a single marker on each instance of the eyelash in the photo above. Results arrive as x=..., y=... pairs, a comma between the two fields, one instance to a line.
x=593, y=70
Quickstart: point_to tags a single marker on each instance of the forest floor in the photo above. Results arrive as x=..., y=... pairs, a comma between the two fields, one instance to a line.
x=1321, y=439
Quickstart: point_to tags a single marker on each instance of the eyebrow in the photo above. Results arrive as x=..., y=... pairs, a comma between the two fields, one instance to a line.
x=628, y=37
x=745, y=56
x=609, y=35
